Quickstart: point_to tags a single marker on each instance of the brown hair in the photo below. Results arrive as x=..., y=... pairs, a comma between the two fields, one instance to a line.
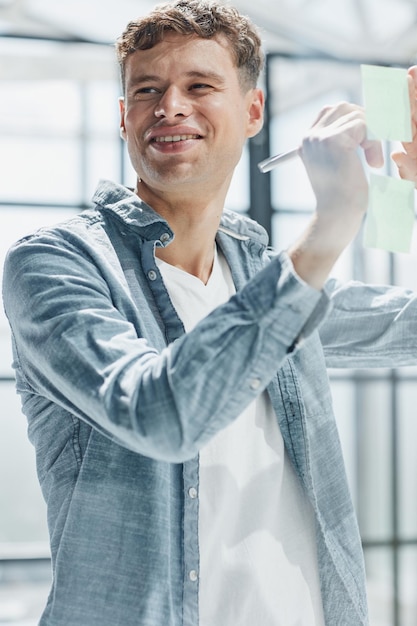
x=204, y=18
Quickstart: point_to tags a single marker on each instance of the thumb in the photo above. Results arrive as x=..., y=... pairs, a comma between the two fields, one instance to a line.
x=373, y=152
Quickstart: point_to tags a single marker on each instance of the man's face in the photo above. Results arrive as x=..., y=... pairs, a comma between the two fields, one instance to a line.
x=185, y=115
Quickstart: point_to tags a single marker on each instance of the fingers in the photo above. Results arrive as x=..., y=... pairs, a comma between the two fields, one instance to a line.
x=374, y=154
x=411, y=146
x=344, y=125
x=330, y=156
x=406, y=162
x=412, y=91
x=412, y=72
x=407, y=165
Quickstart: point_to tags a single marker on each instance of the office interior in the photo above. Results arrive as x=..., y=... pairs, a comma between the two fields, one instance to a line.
x=59, y=135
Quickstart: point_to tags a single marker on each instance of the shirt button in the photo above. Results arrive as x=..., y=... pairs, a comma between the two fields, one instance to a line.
x=152, y=275
x=192, y=492
x=164, y=237
x=193, y=575
x=255, y=383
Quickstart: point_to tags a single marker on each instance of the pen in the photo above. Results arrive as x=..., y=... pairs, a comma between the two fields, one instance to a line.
x=271, y=162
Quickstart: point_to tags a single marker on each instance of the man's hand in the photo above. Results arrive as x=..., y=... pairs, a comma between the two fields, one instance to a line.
x=331, y=155
x=407, y=161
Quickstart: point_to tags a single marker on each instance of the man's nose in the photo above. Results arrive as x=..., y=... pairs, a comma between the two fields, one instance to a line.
x=173, y=102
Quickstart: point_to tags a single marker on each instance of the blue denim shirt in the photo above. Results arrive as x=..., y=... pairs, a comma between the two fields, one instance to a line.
x=119, y=401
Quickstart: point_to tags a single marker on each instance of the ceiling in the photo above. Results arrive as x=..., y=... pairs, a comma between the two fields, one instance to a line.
x=383, y=30
x=370, y=31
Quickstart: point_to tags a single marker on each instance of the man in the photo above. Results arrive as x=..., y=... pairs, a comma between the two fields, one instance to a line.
x=172, y=370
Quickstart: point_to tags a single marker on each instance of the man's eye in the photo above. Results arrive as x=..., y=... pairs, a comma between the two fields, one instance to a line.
x=145, y=90
x=200, y=86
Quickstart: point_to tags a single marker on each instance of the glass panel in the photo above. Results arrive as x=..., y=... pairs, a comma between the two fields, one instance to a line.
x=102, y=108
x=363, y=406
x=286, y=227
x=407, y=460
x=290, y=186
x=238, y=196
x=58, y=138
x=295, y=100
x=41, y=170
x=378, y=562
x=23, y=518
x=343, y=393
x=31, y=107
x=129, y=174
x=405, y=266
x=375, y=266
x=24, y=588
x=374, y=460
x=103, y=160
x=408, y=585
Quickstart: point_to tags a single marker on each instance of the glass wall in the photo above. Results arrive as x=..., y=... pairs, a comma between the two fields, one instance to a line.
x=376, y=410
x=59, y=136
x=59, y=128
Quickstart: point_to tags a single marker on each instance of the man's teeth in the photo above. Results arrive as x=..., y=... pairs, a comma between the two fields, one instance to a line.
x=172, y=138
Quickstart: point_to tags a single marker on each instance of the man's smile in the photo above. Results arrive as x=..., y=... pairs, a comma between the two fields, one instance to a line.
x=174, y=138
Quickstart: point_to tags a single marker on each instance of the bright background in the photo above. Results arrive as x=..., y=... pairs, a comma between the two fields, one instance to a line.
x=59, y=135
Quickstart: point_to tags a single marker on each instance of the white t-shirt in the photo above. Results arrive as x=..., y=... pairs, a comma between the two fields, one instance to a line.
x=258, y=560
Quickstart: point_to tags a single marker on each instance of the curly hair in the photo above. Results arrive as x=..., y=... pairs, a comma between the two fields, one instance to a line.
x=204, y=18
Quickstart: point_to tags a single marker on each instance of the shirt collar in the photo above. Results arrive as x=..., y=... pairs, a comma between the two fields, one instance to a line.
x=135, y=213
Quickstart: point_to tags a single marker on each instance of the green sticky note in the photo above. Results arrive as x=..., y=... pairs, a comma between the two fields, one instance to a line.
x=390, y=219
x=387, y=103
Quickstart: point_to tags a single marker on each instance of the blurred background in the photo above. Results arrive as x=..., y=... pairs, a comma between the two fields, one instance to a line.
x=59, y=135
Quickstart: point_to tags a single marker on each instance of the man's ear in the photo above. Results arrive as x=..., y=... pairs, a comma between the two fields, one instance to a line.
x=122, y=118
x=256, y=104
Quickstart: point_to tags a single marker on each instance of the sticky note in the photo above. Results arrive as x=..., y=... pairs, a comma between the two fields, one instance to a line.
x=390, y=219
x=387, y=103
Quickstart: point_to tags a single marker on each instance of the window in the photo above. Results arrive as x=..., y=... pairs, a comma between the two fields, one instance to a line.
x=374, y=409
x=60, y=135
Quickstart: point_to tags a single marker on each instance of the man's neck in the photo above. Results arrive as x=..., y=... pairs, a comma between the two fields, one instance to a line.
x=194, y=223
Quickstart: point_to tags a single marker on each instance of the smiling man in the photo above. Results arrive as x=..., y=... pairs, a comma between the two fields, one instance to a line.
x=172, y=368
x=186, y=115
